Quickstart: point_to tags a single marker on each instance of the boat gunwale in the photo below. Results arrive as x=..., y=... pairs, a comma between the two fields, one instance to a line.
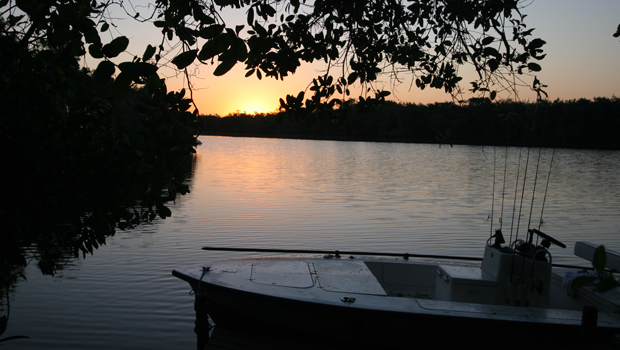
x=532, y=316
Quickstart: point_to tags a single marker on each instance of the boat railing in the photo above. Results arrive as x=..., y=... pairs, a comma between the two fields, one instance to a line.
x=340, y=253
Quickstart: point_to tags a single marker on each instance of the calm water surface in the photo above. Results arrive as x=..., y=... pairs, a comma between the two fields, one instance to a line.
x=273, y=193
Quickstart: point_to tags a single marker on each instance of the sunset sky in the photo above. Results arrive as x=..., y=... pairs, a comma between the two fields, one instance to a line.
x=583, y=60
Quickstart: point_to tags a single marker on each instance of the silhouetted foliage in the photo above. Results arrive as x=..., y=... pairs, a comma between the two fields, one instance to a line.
x=83, y=154
x=575, y=123
x=429, y=40
x=603, y=280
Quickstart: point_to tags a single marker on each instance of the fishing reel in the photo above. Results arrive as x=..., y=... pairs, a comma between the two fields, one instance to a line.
x=536, y=252
x=546, y=239
x=499, y=240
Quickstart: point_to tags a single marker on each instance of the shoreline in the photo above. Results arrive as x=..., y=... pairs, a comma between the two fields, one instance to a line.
x=401, y=139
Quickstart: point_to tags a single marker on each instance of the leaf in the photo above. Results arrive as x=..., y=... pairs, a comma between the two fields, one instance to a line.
x=534, y=67
x=104, y=27
x=268, y=10
x=95, y=50
x=600, y=259
x=329, y=80
x=214, y=47
x=148, y=53
x=493, y=95
x=186, y=35
x=488, y=40
x=606, y=284
x=352, y=78
x=115, y=47
x=121, y=85
x=13, y=20
x=185, y=59
x=295, y=4
x=617, y=33
x=211, y=32
x=491, y=51
x=536, y=44
x=163, y=211
x=251, y=16
x=225, y=66
x=300, y=97
x=137, y=69
x=209, y=50
x=240, y=50
x=290, y=100
x=250, y=72
x=104, y=71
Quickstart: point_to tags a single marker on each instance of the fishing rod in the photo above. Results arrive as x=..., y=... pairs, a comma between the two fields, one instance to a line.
x=338, y=253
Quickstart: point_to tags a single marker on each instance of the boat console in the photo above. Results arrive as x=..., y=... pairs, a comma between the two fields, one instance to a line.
x=522, y=271
x=516, y=275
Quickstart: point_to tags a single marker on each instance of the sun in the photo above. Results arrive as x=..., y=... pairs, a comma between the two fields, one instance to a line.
x=256, y=107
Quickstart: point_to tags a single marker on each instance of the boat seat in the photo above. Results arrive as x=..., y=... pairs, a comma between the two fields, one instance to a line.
x=586, y=251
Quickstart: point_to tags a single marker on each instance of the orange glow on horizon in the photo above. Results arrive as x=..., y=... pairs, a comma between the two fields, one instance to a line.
x=235, y=93
x=256, y=107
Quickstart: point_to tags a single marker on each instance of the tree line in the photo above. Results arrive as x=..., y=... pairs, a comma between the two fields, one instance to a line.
x=577, y=123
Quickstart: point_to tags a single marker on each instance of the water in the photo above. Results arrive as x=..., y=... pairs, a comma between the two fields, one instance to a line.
x=303, y=194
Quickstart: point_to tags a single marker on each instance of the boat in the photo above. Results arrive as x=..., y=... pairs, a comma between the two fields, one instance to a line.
x=514, y=294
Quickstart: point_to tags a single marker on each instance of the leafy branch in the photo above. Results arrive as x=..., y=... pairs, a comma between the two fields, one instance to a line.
x=603, y=281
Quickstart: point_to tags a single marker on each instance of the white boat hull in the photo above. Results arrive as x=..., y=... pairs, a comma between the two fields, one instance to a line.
x=380, y=301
